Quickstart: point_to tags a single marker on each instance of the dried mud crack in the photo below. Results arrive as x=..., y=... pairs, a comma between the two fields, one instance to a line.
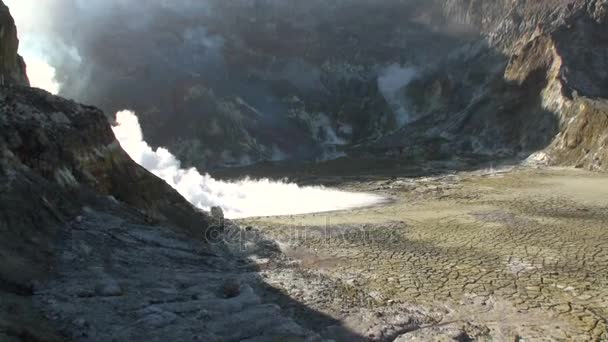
x=488, y=255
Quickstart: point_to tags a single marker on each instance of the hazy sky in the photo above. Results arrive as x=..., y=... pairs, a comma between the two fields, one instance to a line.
x=59, y=32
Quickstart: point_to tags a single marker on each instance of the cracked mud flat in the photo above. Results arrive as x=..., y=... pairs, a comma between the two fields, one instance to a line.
x=514, y=255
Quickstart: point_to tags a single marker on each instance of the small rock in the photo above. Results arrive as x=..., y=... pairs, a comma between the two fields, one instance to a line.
x=85, y=293
x=352, y=282
x=231, y=288
x=81, y=322
x=60, y=118
x=108, y=288
x=158, y=318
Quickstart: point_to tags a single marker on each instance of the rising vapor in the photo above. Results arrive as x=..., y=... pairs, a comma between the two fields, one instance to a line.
x=390, y=81
x=223, y=83
x=62, y=54
x=244, y=198
x=41, y=75
x=30, y=19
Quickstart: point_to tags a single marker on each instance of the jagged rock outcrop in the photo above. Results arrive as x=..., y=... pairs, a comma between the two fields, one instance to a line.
x=57, y=156
x=568, y=51
x=535, y=81
x=12, y=66
x=577, y=90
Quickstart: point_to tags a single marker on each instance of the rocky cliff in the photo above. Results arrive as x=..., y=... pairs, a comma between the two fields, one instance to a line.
x=72, y=147
x=577, y=90
x=12, y=67
x=534, y=81
x=95, y=248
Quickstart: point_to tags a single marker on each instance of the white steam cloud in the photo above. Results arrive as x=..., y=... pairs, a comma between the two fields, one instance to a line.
x=41, y=75
x=244, y=198
x=41, y=45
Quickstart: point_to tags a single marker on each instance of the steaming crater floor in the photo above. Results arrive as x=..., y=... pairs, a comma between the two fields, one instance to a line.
x=510, y=255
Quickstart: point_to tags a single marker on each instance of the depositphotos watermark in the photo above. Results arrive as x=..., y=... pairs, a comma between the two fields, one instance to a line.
x=296, y=232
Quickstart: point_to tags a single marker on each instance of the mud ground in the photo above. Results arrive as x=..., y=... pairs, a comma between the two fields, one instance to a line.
x=505, y=255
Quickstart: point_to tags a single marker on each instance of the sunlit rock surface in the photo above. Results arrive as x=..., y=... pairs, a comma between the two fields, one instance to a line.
x=535, y=82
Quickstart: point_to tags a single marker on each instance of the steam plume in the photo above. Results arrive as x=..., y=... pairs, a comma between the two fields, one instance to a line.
x=244, y=198
x=73, y=44
x=391, y=80
x=248, y=71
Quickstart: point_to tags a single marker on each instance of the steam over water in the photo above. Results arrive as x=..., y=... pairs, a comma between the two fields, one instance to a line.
x=244, y=198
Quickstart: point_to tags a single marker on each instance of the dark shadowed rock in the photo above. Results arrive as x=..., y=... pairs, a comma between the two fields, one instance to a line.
x=12, y=67
x=217, y=216
x=231, y=288
x=108, y=287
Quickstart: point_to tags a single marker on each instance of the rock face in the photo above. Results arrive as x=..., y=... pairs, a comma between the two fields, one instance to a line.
x=72, y=147
x=12, y=67
x=56, y=157
x=534, y=82
x=578, y=93
x=568, y=51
